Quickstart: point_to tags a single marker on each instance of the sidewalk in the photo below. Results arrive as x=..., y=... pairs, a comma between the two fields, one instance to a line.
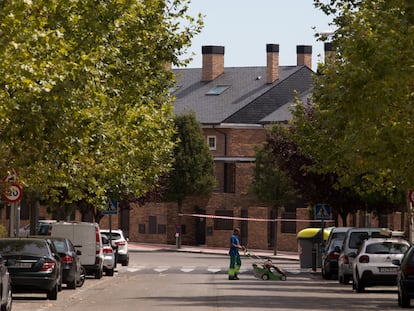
x=145, y=247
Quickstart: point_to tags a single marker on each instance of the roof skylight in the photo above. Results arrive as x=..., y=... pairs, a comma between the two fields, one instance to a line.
x=217, y=90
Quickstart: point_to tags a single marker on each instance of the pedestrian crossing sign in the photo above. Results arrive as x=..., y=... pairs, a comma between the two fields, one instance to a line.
x=322, y=212
x=111, y=207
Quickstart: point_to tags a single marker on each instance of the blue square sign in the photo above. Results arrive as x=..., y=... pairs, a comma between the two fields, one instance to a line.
x=322, y=212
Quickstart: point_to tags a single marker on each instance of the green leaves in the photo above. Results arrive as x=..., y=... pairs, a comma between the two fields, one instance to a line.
x=359, y=126
x=85, y=105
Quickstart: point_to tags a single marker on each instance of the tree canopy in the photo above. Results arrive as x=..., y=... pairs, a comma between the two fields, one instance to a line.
x=193, y=168
x=86, y=111
x=359, y=125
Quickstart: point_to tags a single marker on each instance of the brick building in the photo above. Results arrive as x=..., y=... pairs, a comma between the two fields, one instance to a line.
x=234, y=106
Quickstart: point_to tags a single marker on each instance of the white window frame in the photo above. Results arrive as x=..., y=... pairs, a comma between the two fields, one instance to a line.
x=212, y=139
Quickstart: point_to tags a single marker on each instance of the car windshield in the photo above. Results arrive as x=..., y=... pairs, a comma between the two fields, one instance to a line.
x=115, y=235
x=386, y=248
x=356, y=239
x=60, y=246
x=25, y=247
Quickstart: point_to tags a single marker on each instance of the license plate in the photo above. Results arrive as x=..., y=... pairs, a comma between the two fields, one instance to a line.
x=387, y=269
x=22, y=265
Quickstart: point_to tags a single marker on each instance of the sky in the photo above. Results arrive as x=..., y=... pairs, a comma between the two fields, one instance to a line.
x=244, y=27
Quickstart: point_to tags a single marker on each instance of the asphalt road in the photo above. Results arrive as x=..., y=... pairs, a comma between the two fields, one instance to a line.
x=170, y=281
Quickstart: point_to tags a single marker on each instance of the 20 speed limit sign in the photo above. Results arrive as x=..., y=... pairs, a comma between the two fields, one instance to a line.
x=13, y=193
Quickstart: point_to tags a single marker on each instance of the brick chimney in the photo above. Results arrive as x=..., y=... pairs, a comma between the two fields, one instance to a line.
x=329, y=52
x=304, y=55
x=272, y=68
x=213, y=62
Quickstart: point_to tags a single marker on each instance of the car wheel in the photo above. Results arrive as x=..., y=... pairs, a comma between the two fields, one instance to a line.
x=53, y=293
x=346, y=279
x=8, y=305
x=359, y=286
x=72, y=284
x=110, y=272
x=403, y=300
x=125, y=262
x=98, y=273
x=82, y=276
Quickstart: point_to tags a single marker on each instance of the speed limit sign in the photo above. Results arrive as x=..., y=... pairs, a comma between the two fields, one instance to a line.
x=13, y=193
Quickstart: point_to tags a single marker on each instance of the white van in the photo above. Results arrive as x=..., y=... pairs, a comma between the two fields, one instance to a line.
x=86, y=237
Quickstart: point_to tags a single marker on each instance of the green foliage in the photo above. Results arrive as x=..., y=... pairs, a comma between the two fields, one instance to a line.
x=193, y=168
x=85, y=109
x=359, y=126
x=270, y=184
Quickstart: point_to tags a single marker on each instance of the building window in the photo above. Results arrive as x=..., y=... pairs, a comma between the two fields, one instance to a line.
x=289, y=226
x=211, y=142
x=223, y=224
x=230, y=177
x=162, y=229
x=141, y=228
x=152, y=224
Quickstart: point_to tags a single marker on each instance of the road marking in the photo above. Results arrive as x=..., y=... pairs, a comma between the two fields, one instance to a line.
x=187, y=269
x=213, y=270
x=161, y=269
x=135, y=268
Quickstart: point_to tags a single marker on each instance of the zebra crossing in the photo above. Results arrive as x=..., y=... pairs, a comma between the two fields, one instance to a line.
x=166, y=269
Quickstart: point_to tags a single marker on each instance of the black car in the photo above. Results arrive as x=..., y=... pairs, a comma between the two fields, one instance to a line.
x=405, y=278
x=73, y=273
x=330, y=258
x=33, y=264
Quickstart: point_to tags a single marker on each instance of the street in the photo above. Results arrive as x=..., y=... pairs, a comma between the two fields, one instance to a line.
x=160, y=281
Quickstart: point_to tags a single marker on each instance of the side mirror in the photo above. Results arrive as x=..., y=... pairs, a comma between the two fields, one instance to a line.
x=78, y=252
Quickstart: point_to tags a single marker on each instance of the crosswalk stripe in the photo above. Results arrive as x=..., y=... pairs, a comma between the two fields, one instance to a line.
x=187, y=269
x=161, y=269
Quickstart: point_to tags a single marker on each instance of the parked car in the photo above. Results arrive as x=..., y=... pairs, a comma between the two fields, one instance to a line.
x=330, y=257
x=109, y=256
x=352, y=241
x=119, y=241
x=6, y=299
x=373, y=262
x=405, y=278
x=87, y=237
x=33, y=264
x=73, y=273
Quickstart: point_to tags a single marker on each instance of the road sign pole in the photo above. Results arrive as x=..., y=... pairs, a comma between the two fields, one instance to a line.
x=12, y=219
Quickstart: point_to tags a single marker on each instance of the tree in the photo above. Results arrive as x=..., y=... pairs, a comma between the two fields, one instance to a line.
x=86, y=112
x=361, y=127
x=313, y=187
x=271, y=185
x=193, y=169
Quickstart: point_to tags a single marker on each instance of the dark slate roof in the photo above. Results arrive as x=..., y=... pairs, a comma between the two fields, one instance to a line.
x=248, y=100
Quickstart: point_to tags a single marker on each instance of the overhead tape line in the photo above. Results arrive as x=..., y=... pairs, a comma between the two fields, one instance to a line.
x=254, y=219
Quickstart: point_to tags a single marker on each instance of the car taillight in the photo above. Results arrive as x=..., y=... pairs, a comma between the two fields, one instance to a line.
x=120, y=243
x=333, y=255
x=66, y=259
x=48, y=266
x=107, y=250
x=98, y=241
x=346, y=259
x=364, y=259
